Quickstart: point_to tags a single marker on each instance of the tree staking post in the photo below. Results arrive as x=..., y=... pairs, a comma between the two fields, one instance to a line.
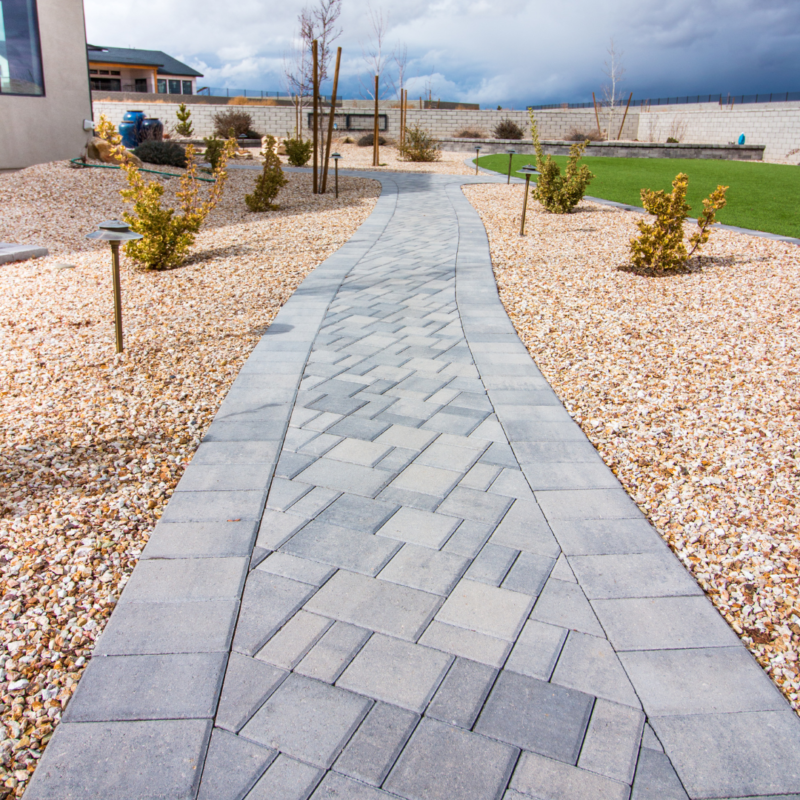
x=376, y=156
x=331, y=115
x=314, y=53
x=624, y=116
x=597, y=117
x=511, y=154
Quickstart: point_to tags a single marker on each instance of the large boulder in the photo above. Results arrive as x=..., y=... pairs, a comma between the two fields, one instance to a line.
x=101, y=150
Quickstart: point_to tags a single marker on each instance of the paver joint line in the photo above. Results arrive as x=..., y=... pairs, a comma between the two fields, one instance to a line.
x=396, y=568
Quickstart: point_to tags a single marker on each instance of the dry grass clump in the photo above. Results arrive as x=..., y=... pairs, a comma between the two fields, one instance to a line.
x=689, y=387
x=94, y=443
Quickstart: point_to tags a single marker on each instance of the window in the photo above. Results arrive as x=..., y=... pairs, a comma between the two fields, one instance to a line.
x=106, y=84
x=162, y=86
x=174, y=87
x=20, y=54
x=140, y=84
x=187, y=87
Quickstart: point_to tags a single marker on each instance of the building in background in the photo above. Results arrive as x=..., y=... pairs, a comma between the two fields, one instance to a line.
x=45, y=102
x=118, y=69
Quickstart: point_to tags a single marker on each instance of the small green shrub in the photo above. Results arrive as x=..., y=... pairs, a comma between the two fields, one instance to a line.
x=419, y=145
x=213, y=151
x=298, y=151
x=184, y=126
x=348, y=140
x=672, y=140
x=556, y=192
x=240, y=121
x=660, y=246
x=169, y=154
x=168, y=233
x=269, y=182
x=367, y=139
x=508, y=129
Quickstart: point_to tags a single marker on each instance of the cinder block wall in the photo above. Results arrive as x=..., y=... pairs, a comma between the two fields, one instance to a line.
x=775, y=125
x=778, y=128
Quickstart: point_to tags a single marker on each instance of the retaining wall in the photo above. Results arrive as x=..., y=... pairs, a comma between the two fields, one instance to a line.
x=747, y=152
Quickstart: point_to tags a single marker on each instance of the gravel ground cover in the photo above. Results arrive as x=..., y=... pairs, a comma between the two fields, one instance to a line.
x=687, y=385
x=360, y=158
x=94, y=443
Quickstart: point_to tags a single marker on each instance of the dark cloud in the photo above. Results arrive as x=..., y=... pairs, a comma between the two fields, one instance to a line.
x=510, y=52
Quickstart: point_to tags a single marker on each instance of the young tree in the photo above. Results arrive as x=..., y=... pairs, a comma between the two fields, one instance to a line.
x=612, y=94
x=374, y=51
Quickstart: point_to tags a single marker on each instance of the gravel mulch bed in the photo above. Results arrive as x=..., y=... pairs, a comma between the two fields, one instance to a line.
x=94, y=443
x=689, y=387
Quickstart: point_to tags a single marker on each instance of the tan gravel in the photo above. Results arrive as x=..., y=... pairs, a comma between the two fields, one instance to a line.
x=689, y=387
x=94, y=443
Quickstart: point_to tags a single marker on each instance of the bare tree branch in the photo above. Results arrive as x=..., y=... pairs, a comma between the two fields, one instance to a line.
x=400, y=58
x=374, y=49
x=612, y=95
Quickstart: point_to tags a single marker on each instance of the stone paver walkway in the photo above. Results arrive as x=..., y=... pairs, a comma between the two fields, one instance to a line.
x=411, y=578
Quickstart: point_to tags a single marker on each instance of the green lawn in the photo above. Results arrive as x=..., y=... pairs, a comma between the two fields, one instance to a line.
x=764, y=197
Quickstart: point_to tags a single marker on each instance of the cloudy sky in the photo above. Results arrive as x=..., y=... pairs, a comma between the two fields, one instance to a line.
x=492, y=52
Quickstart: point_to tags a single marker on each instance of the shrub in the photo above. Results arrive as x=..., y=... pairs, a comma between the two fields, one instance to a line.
x=367, y=140
x=348, y=140
x=214, y=150
x=169, y=154
x=239, y=121
x=298, y=151
x=577, y=136
x=660, y=246
x=556, y=192
x=468, y=134
x=269, y=182
x=419, y=145
x=672, y=140
x=106, y=129
x=508, y=129
x=184, y=126
x=168, y=235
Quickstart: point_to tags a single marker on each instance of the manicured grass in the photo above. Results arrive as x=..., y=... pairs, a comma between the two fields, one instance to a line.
x=764, y=197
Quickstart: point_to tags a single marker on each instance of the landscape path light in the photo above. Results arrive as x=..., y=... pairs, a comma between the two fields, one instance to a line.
x=511, y=154
x=336, y=157
x=527, y=171
x=115, y=231
x=477, y=155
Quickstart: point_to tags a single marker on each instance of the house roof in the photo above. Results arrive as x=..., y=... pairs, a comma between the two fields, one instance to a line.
x=166, y=65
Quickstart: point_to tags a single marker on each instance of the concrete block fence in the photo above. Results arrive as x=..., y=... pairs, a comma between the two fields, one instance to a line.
x=777, y=128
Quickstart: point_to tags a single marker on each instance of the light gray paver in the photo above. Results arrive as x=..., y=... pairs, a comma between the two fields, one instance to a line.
x=248, y=683
x=419, y=527
x=564, y=604
x=426, y=569
x=287, y=779
x=656, y=779
x=612, y=741
x=537, y=649
x=334, y=651
x=336, y=786
x=462, y=693
x=297, y=569
x=220, y=782
x=396, y=672
x=307, y=720
x=441, y=762
x=466, y=643
x=293, y=640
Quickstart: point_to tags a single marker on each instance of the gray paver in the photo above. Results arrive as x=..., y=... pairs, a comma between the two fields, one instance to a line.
x=333, y=652
x=342, y=547
x=426, y=480
x=536, y=716
x=546, y=779
x=564, y=604
x=357, y=451
x=172, y=749
x=580, y=537
x=426, y=569
x=466, y=643
x=335, y=786
x=345, y=477
x=297, y=569
x=701, y=681
x=311, y=504
x=468, y=539
x=307, y=719
x=492, y=564
x=248, y=683
x=589, y=664
x=186, y=579
x=396, y=672
x=287, y=779
x=447, y=456
x=220, y=782
x=441, y=762
x=656, y=779
x=536, y=650
x=725, y=755
x=524, y=528
x=612, y=741
x=293, y=640
x=486, y=609
x=283, y=493
x=419, y=527
x=148, y=687
x=202, y=626
x=529, y=573
x=378, y=605
x=359, y=513
x=660, y=623
x=276, y=527
x=201, y=539
x=462, y=693
x=474, y=505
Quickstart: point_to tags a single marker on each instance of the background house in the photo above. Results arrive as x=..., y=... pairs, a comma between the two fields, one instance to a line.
x=118, y=69
x=45, y=102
